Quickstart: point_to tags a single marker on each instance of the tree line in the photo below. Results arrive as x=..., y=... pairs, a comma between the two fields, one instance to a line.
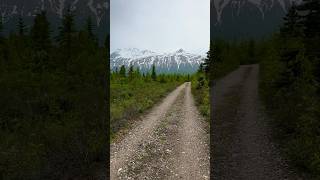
x=224, y=56
x=53, y=105
x=133, y=73
x=290, y=78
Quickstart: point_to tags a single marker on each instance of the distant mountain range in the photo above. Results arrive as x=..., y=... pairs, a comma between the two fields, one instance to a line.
x=234, y=19
x=96, y=9
x=179, y=61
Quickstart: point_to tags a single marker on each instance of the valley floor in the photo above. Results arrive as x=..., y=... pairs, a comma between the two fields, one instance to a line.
x=170, y=142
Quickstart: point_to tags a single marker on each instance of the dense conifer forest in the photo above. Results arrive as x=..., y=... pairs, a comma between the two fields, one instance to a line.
x=290, y=66
x=53, y=104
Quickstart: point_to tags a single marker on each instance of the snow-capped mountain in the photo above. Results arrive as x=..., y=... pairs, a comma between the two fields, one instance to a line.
x=239, y=5
x=247, y=18
x=96, y=9
x=179, y=61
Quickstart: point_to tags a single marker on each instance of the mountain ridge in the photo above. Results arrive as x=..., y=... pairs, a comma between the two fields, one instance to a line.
x=234, y=19
x=178, y=61
x=261, y=5
x=10, y=10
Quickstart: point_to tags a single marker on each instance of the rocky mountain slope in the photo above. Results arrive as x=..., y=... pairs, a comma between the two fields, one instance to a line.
x=96, y=9
x=247, y=18
x=179, y=61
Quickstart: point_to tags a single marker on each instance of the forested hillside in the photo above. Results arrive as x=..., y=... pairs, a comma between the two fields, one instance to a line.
x=53, y=104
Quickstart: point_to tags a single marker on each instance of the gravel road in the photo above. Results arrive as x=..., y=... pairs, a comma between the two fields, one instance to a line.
x=241, y=141
x=170, y=142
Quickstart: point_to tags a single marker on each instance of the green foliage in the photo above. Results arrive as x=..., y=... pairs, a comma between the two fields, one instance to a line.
x=90, y=29
x=131, y=73
x=251, y=52
x=153, y=73
x=222, y=58
x=200, y=91
x=201, y=68
x=40, y=32
x=67, y=35
x=122, y=71
x=1, y=26
x=21, y=27
x=292, y=26
x=53, y=121
x=311, y=24
x=289, y=88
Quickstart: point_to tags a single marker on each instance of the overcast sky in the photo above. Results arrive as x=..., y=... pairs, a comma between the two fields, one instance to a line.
x=160, y=25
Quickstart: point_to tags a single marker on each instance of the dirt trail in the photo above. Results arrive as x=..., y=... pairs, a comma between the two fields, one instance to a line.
x=242, y=147
x=170, y=142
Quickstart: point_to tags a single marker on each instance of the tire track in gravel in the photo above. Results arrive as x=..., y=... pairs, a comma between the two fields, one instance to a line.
x=154, y=157
x=241, y=139
x=174, y=146
x=193, y=161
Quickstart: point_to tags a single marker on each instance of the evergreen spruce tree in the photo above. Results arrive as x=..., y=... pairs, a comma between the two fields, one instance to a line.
x=1, y=47
x=292, y=26
x=116, y=71
x=40, y=32
x=153, y=73
x=122, y=71
x=90, y=29
x=291, y=46
x=200, y=70
x=66, y=33
x=107, y=64
x=21, y=26
x=131, y=72
x=41, y=43
x=311, y=20
x=207, y=62
x=251, y=51
x=137, y=72
x=1, y=28
x=107, y=43
x=210, y=59
x=311, y=23
x=107, y=46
